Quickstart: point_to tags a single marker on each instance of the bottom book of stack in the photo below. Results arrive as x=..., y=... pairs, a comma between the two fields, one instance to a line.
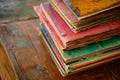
x=77, y=64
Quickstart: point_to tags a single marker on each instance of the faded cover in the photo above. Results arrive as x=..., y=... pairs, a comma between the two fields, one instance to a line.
x=85, y=22
x=49, y=27
x=86, y=7
x=81, y=65
x=68, y=38
x=87, y=51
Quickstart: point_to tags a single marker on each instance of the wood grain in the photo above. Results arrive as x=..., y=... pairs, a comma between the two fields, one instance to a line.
x=0, y=74
x=115, y=69
x=6, y=67
x=31, y=59
x=14, y=10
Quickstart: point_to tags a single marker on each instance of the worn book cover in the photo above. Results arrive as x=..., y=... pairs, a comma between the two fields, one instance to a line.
x=87, y=7
x=80, y=65
x=87, y=51
x=87, y=21
x=72, y=40
x=49, y=27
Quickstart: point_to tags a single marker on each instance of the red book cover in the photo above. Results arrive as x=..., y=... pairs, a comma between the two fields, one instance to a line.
x=49, y=27
x=74, y=40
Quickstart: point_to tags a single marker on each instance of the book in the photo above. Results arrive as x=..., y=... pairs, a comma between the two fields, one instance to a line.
x=87, y=7
x=81, y=65
x=80, y=23
x=87, y=51
x=68, y=39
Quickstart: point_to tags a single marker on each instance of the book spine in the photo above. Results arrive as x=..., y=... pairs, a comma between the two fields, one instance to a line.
x=56, y=52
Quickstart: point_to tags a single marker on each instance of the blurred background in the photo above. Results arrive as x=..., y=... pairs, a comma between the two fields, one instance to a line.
x=14, y=10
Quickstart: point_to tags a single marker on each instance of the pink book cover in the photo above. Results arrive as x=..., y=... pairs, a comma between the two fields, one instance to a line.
x=69, y=38
x=48, y=27
x=52, y=33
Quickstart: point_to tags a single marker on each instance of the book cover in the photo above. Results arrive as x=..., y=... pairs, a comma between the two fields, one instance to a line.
x=75, y=67
x=87, y=7
x=73, y=40
x=84, y=52
x=85, y=22
x=49, y=27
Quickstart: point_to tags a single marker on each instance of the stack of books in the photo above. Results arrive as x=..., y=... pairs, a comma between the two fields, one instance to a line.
x=80, y=34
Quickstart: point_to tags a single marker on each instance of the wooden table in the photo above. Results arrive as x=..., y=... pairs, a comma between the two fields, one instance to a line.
x=27, y=58
x=23, y=55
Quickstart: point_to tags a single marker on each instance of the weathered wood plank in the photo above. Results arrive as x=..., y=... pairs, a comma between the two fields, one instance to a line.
x=14, y=10
x=31, y=58
x=19, y=44
x=6, y=67
x=115, y=69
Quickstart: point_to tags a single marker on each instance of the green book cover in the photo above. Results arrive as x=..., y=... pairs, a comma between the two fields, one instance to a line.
x=91, y=50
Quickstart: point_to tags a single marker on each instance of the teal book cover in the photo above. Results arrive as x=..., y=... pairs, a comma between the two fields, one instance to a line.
x=91, y=50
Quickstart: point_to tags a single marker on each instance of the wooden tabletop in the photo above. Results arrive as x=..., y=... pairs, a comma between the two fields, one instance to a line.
x=16, y=10
x=30, y=59
x=23, y=55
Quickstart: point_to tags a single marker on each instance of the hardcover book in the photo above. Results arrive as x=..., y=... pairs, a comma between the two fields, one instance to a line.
x=68, y=39
x=87, y=51
x=78, y=22
x=87, y=7
x=80, y=65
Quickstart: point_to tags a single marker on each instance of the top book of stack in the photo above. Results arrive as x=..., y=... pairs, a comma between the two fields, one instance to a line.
x=85, y=14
